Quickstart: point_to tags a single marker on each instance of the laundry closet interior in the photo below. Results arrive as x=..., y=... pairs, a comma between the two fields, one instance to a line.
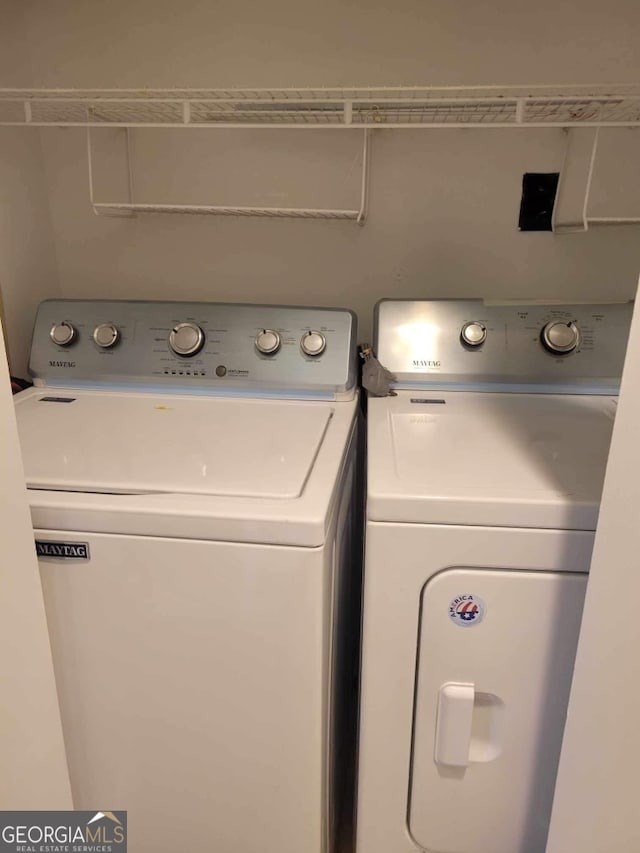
x=331, y=154
x=443, y=202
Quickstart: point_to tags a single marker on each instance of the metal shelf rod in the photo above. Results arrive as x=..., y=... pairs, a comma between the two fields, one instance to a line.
x=613, y=220
x=230, y=210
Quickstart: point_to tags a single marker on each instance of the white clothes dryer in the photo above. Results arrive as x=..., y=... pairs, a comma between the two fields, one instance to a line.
x=484, y=479
x=191, y=471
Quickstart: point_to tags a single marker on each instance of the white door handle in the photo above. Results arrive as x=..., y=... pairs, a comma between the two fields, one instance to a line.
x=453, y=724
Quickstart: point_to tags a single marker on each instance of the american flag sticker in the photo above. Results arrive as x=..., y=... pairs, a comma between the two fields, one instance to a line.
x=467, y=610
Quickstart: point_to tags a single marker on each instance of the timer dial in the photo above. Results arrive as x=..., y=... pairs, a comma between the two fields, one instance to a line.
x=267, y=342
x=106, y=335
x=473, y=334
x=186, y=339
x=559, y=337
x=63, y=334
x=313, y=343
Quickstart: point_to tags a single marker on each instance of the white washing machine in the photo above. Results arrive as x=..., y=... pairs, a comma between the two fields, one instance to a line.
x=484, y=480
x=190, y=470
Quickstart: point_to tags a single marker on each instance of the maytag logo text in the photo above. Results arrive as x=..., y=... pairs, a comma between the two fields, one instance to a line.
x=62, y=550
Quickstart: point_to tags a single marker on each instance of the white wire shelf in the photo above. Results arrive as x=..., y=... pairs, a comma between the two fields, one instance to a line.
x=393, y=107
x=568, y=107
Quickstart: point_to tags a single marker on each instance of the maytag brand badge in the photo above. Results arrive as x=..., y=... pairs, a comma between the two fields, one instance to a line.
x=63, y=832
x=62, y=550
x=427, y=362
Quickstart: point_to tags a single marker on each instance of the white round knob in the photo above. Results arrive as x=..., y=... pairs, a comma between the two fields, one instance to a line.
x=63, y=334
x=560, y=337
x=267, y=342
x=313, y=343
x=186, y=339
x=106, y=335
x=473, y=334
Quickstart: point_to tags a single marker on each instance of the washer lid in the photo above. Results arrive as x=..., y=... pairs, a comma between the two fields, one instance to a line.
x=506, y=460
x=127, y=443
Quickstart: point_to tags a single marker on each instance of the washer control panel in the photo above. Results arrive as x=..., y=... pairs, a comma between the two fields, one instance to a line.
x=455, y=343
x=215, y=346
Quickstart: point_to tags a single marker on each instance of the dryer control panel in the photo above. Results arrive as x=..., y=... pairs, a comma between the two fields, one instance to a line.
x=467, y=344
x=196, y=345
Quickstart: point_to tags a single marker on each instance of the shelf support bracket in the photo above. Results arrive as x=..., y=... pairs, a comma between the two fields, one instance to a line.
x=364, y=190
x=570, y=211
x=348, y=112
x=571, y=208
x=100, y=209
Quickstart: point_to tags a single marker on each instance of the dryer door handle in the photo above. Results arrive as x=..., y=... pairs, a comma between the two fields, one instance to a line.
x=453, y=724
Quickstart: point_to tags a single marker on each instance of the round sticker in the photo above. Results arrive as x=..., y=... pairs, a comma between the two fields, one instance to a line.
x=466, y=610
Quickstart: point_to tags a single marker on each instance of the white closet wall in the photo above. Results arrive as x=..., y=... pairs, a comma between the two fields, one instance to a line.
x=244, y=43
x=28, y=270
x=596, y=804
x=443, y=203
x=34, y=765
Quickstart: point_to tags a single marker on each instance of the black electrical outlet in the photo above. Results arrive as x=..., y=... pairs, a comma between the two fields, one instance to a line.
x=538, y=198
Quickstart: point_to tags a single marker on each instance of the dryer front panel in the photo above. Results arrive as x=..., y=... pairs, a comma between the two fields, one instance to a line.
x=496, y=653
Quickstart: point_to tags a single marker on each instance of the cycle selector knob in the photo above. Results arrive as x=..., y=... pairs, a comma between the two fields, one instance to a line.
x=186, y=339
x=63, y=334
x=559, y=337
x=313, y=343
x=473, y=334
x=106, y=335
x=268, y=342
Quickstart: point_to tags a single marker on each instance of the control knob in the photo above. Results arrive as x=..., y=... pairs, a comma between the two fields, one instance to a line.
x=267, y=342
x=559, y=337
x=106, y=335
x=63, y=334
x=313, y=343
x=186, y=339
x=473, y=334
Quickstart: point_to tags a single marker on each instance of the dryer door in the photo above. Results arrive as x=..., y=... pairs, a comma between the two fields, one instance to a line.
x=496, y=654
